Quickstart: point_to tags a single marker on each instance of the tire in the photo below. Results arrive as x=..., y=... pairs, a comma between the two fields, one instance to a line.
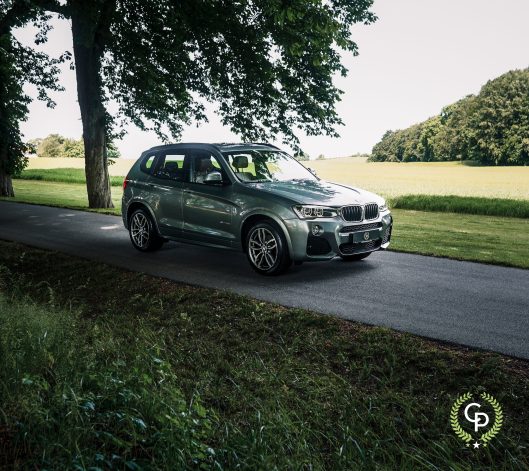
x=267, y=249
x=355, y=257
x=143, y=233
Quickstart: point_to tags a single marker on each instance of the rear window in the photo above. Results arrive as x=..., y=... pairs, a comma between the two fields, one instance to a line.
x=171, y=167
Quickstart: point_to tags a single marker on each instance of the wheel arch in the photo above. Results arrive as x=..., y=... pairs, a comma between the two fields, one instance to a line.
x=135, y=205
x=258, y=216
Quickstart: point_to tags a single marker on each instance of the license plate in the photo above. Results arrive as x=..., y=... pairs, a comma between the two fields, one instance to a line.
x=365, y=236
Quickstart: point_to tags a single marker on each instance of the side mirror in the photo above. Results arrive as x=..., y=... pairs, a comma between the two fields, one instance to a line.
x=213, y=178
x=311, y=170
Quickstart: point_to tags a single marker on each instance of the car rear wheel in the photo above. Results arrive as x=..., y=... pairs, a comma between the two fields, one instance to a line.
x=355, y=257
x=143, y=234
x=267, y=249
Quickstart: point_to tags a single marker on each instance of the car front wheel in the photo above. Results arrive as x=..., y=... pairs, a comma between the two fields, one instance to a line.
x=143, y=234
x=267, y=249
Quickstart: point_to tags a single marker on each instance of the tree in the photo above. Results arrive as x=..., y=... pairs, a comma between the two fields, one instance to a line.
x=51, y=146
x=390, y=148
x=55, y=145
x=19, y=65
x=429, y=129
x=301, y=156
x=73, y=148
x=491, y=128
x=500, y=121
x=269, y=66
x=454, y=133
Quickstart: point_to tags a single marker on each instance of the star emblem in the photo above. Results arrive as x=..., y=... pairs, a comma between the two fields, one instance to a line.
x=476, y=444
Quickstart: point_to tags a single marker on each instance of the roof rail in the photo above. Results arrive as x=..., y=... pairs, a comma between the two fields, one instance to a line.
x=245, y=144
x=265, y=144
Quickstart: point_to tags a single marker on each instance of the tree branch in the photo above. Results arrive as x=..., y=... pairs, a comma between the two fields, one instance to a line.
x=53, y=6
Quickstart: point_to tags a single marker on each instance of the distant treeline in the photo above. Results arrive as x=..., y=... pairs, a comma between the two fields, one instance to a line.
x=491, y=128
x=55, y=145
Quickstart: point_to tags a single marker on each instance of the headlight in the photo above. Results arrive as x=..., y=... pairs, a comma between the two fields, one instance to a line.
x=313, y=212
x=383, y=207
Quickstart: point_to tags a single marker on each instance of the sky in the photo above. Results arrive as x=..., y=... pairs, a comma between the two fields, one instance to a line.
x=418, y=57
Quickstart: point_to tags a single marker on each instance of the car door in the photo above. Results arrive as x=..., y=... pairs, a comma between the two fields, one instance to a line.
x=208, y=206
x=167, y=184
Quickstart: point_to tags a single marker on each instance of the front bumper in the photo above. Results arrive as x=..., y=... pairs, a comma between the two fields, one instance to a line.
x=338, y=237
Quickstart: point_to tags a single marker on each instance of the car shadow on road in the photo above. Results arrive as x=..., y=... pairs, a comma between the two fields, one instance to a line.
x=214, y=262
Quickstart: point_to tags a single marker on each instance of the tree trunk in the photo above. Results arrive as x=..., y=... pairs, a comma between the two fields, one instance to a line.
x=93, y=114
x=6, y=185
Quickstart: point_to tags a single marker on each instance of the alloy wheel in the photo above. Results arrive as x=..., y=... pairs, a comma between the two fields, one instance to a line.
x=263, y=248
x=139, y=230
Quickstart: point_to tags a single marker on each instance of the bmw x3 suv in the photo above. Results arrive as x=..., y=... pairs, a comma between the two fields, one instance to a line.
x=252, y=198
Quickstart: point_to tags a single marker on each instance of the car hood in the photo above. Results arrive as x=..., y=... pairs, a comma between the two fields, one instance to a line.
x=318, y=192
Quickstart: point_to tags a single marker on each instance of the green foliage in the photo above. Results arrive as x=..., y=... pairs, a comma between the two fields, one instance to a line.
x=302, y=156
x=281, y=388
x=55, y=145
x=20, y=65
x=463, y=205
x=13, y=109
x=51, y=146
x=269, y=65
x=79, y=396
x=491, y=128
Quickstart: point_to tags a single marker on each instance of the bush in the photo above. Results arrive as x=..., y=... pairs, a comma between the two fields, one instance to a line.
x=463, y=205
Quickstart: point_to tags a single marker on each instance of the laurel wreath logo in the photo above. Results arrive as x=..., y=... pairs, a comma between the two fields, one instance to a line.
x=464, y=435
x=498, y=419
x=454, y=419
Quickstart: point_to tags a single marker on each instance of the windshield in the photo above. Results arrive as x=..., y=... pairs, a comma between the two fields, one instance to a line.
x=253, y=166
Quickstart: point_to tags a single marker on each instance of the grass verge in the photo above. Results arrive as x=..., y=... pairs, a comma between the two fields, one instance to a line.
x=63, y=175
x=486, y=239
x=63, y=195
x=108, y=368
x=463, y=205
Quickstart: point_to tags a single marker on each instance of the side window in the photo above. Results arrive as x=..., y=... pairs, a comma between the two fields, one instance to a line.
x=147, y=164
x=206, y=167
x=171, y=167
x=247, y=168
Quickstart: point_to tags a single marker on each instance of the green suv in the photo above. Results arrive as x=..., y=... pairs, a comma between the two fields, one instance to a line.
x=249, y=197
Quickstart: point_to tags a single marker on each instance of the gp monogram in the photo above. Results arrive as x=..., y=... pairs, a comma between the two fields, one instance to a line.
x=484, y=430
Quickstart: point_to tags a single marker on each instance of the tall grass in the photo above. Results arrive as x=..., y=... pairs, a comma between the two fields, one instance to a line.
x=75, y=396
x=63, y=175
x=279, y=388
x=463, y=205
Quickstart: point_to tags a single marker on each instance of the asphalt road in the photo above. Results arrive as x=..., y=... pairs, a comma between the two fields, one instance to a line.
x=467, y=303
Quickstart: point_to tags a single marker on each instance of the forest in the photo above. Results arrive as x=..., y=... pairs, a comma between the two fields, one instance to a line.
x=491, y=128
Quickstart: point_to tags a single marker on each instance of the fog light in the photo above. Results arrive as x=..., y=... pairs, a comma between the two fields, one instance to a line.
x=317, y=230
